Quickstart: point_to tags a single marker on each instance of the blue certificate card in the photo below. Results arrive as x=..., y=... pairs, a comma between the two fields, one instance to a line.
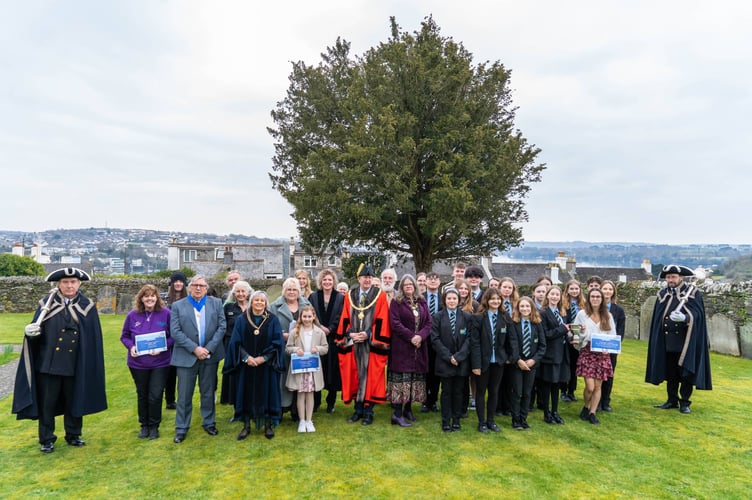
x=148, y=343
x=605, y=343
x=305, y=363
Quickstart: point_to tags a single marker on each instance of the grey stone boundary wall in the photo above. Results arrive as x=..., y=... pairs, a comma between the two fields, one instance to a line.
x=113, y=295
x=728, y=305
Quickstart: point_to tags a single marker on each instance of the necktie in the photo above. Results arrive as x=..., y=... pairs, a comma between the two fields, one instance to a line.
x=558, y=317
x=494, y=318
x=362, y=299
x=432, y=303
x=526, y=338
x=508, y=306
x=574, y=309
x=452, y=320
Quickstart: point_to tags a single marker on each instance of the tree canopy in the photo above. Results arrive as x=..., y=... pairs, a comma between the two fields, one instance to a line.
x=15, y=265
x=409, y=147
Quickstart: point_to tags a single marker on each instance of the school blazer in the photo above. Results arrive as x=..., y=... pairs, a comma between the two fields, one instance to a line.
x=444, y=344
x=556, y=334
x=538, y=347
x=505, y=346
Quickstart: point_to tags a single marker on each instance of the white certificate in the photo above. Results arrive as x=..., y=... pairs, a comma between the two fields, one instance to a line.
x=601, y=342
x=148, y=343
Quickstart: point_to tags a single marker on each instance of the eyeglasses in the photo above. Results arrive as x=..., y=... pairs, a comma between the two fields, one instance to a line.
x=199, y=286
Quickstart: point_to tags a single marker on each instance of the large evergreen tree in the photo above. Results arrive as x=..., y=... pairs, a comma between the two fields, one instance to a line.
x=410, y=147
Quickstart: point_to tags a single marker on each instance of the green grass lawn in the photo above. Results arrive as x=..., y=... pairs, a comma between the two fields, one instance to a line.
x=637, y=451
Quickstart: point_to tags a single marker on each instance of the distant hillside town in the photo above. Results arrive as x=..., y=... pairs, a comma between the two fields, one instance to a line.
x=109, y=251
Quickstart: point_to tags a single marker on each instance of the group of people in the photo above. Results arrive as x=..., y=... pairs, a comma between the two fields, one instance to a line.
x=409, y=342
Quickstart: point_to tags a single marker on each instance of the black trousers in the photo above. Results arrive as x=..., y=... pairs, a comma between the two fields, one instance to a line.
x=50, y=389
x=432, y=380
x=172, y=382
x=522, y=386
x=150, y=385
x=489, y=380
x=452, y=398
x=678, y=388
x=608, y=385
x=505, y=395
x=571, y=386
x=548, y=396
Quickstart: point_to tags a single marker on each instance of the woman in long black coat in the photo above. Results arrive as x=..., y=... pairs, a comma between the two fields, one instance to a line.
x=256, y=358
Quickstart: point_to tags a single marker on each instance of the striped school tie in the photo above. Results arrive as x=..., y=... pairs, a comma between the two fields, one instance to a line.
x=432, y=303
x=452, y=320
x=526, y=338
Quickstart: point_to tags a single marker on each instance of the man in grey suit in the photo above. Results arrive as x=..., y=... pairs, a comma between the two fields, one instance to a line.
x=197, y=324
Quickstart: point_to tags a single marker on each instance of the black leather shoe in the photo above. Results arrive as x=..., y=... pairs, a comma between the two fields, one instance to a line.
x=244, y=433
x=517, y=424
x=47, y=447
x=355, y=417
x=456, y=427
x=557, y=418
x=607, y=408
x=685, y=410
x=548, y=417
x=493, y=427
x=153, y=432
x=268, y=431
x=524, y=424
x=367, y=420
x=667, y=405
x=211, y=430
x=144, y=432
x=330, y=409
x=179, y=438
x=75, y=441
x=584, y=413
x=446, y=428
x=409, y=416
x=171, y=406
x=593, y=419
x=482, y=427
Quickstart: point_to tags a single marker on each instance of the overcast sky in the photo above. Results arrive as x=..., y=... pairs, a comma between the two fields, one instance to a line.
x=153, y=114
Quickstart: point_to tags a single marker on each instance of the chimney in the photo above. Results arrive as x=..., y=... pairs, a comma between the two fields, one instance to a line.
x=554, y=269
x=561, y=260
x=571, y=266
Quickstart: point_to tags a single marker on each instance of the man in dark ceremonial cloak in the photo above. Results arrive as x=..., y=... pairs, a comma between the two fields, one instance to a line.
x=61, y=370
x=363, y=340
x=678, y=348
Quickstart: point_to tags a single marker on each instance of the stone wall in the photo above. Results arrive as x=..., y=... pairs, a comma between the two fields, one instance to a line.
x=113, y=295
x=728, y=306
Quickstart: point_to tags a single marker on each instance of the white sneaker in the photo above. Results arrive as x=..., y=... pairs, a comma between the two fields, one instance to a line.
x=301, y=426
x=309, y=426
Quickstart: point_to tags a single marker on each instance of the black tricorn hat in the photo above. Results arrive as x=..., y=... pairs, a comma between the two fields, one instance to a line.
x=68, y=272
x=676, y=269
x=365, y=270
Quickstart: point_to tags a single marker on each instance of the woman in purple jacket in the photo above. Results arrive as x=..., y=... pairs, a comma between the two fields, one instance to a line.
x=149, y=370
x=410, y=324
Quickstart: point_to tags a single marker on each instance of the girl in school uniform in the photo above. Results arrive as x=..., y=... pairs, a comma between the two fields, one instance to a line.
x=554, y=368
x=527, y=332
x=450, y=338
x=307, y=338
x=574, y=301
x=509, y=298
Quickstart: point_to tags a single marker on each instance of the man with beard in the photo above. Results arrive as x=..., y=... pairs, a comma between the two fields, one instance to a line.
x=678, y=349
x=388, y=281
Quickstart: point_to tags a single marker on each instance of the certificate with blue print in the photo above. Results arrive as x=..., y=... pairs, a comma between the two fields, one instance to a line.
x=149, y=343
x=306, y=363
x=601, y=342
